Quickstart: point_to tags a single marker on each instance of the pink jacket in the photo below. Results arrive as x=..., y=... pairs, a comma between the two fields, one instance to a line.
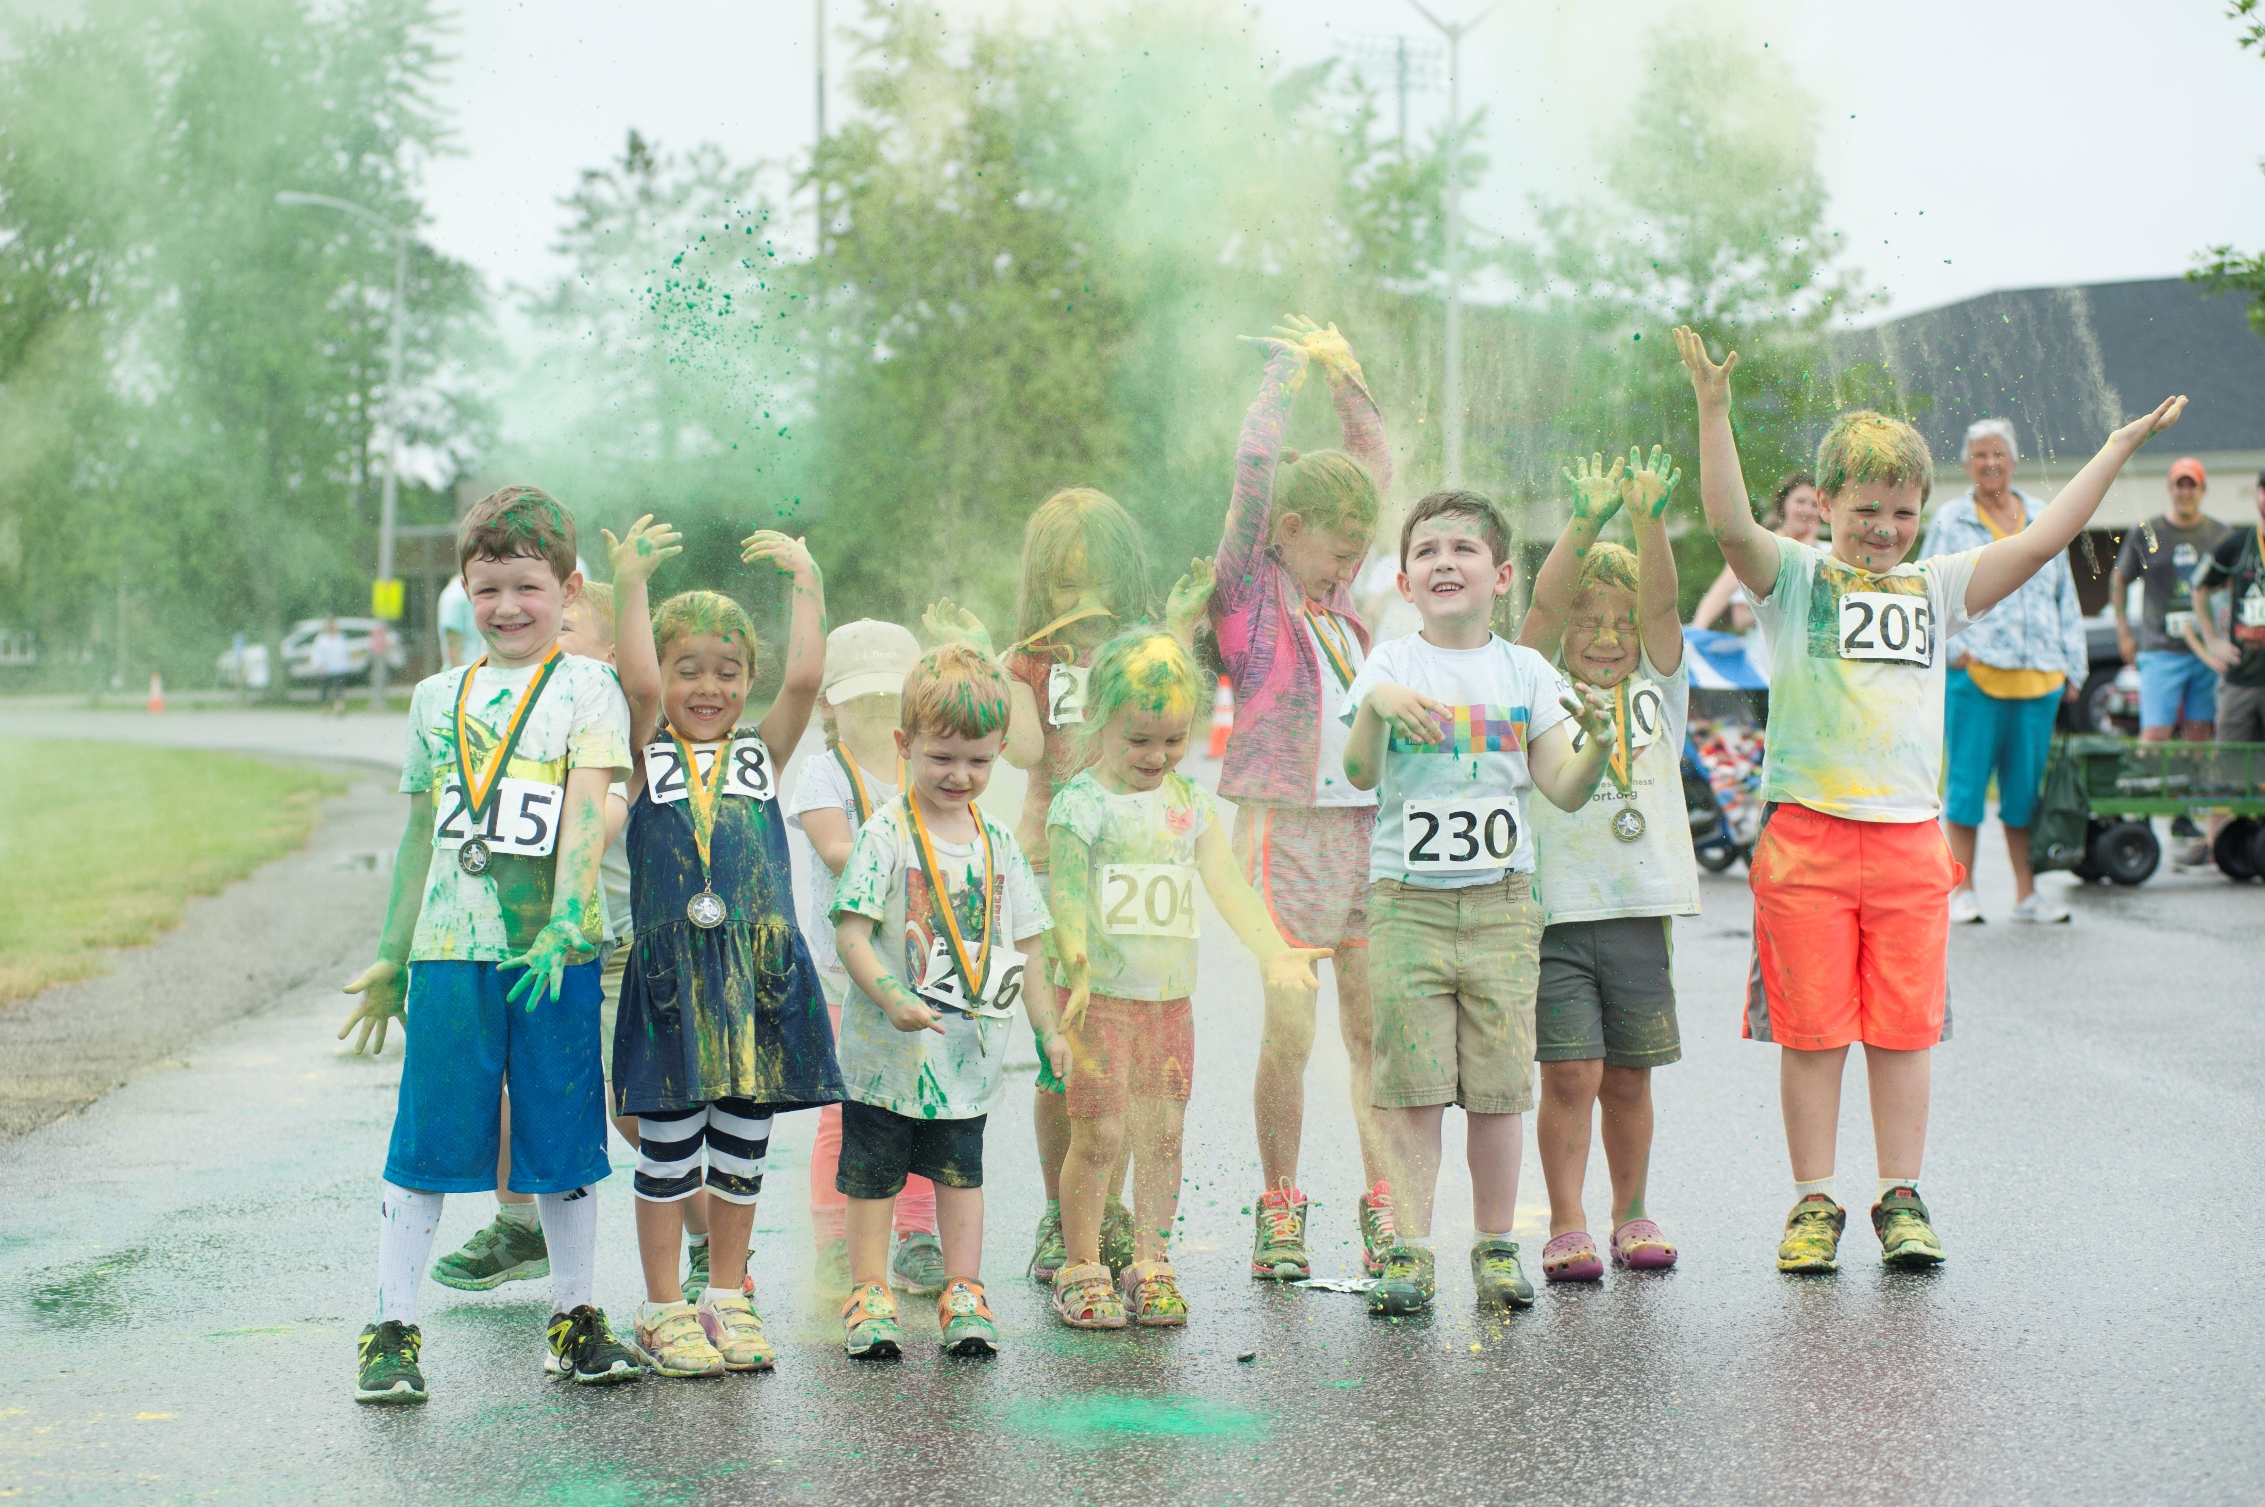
x=1255, y=606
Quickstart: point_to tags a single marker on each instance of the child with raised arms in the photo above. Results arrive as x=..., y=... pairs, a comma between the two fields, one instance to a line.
x=1130, y=837
x=1610, y=874
x=722, y=1024
x=1456, y=725
x=938, y=919
x=1852, y=874
x=1295, y=537
x=506, y=770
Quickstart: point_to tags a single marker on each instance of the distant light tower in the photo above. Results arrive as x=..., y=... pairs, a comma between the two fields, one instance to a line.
x=818, y=143
x=1452, y=466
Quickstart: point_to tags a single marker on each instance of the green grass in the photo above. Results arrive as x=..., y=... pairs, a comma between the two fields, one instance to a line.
x=102, y=844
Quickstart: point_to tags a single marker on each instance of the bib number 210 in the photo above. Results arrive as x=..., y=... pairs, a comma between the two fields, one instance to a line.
x=1458, y=836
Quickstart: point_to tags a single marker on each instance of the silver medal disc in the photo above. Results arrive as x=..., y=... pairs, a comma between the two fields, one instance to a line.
x=1628, y=824
x=473, y=857
x=705, y=910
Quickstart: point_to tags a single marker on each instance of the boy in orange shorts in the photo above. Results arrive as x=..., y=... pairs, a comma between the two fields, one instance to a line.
x=1852, y=875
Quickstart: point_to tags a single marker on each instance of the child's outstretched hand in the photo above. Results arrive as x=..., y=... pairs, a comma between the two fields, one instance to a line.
x=545, y=964
x=2148, y=425
x=1709, y=381
x=1292, y=968
x=1409, y=713
x=1596, y=491
x=1324, y=345
x=384, y=988
x=1059, y=1057
x=947, y=622
x=1275, y=345
x=1592, y=713
x=1648, y=484
x=640, y=551
x=1189, y=594
x=791, y=557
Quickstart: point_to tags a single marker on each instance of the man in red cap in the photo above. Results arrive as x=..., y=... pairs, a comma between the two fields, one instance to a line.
x=2178, y=689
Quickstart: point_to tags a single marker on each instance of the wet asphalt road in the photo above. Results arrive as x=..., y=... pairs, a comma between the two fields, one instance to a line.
x=183, y=1267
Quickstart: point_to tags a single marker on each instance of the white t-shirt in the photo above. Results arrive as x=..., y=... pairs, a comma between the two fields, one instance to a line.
x=821, y=784
x=1626, y=853
x=1330, y=787
x=452, y=614
x=1141, y=922
x=331, y=654
x=1459, y=804
x=1856, y=682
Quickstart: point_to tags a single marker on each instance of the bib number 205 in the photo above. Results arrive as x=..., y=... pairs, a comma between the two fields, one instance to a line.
x=523, y=818
x=1148, y=900
x=1458, y=836
x=1884, y=625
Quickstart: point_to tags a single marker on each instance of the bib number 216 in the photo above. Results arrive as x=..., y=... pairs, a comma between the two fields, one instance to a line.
x=1458, y=836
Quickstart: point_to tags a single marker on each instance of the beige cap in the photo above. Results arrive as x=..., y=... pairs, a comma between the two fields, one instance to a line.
x=867, y=658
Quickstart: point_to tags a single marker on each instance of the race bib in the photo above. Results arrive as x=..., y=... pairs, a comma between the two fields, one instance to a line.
x=1148, y=900
x=1884, y=625
x=1458, y=836
x=1002, y=983
x=1647, y=719
x=2252, y=613
x=1065, y=694
x=749, y=776
x=2176, y=624
x=523, y=818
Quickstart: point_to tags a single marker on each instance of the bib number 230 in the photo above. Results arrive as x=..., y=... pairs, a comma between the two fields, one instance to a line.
x=1458, y=836
x=1884, y=625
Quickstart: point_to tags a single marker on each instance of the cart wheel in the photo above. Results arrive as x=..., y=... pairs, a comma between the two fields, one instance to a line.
x=1716, y=857
x=2127, y=852
x=2257, y=847
x=2086, y=867
x=2236, y=842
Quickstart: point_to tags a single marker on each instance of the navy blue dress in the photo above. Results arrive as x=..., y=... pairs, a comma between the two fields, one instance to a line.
x=733, y=1012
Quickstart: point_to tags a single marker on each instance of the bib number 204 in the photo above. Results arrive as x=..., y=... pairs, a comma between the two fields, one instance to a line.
x=1148, y=900
x=1458, y=836
x=1884, y=625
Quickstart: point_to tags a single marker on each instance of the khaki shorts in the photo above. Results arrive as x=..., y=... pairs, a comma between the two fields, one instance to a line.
x=614, y=963
x=1452, y=976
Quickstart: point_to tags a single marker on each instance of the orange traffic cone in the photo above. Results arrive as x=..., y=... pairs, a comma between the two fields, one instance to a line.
x=1222, y=718
x=156, y=692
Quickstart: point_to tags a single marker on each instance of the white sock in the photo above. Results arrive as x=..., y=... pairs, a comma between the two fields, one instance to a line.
x=1888, y=1185
x=523, y=1215
x=712, y=1294
x=407, y=1223
x=1822, y=1185
x=695, y=1237
x=570, y=1229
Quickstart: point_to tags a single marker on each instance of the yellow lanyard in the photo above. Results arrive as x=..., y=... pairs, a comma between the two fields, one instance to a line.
x=1619, y=763
x=859, y=793
x=1077, y=616
x=972, y=981
x=702, y=793
x=1336, y=643
x=480, y=784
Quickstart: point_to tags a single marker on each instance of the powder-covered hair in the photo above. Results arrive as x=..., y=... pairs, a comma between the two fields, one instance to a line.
x=1078, y=518
x=1607, y=564
x=1328, y=489
x=518, y=521
x=1479, y=508
x=1145, y=669
x=692, y=612
x=1866, y=446
x=597, y=600
x=954, y=692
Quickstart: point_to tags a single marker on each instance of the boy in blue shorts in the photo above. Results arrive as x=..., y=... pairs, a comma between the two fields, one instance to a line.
x=506, y=771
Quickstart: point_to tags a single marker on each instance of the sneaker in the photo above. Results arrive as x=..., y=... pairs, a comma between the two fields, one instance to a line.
x=834, y=1279
x=1642, y=1246
x=918, y=1266
x=388, y=1371
x=1085, y=1298
x=1278, y=1246
x=869, y=1324
x=503, y=1250
x=1051, y=1254
x=736, y=1330
x=966, y=1321
x=1151, y=1290
x=1116, y=1234
x=1498, y=1276
x=1906, y=1236
x=674, y=1341
x=582, y=1348
x=1812, y=1236
x=2039, y=911
x=2193, y=853
x=1570, y=1257
x=696, y=1267
x=1378, y=1231
x=1408, y=1281
x=1965, y=907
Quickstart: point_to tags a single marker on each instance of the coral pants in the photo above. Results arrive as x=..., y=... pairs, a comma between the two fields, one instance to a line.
x=829, y=1209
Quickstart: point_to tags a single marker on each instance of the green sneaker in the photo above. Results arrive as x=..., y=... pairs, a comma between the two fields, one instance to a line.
x=1378, y=1232
x=1408, y=1282
x=388, y=1363
x=1278, y=1244
x=695, y=1271
x=1051, y=1255
x=1498, y=1276
x=1116, y=1234
x=503, y=1250
x=918, y=1266
x=965, y=1320
x=1906, y=1236
x=583, y=1350
x=869, y=1324
x=1812, y=1236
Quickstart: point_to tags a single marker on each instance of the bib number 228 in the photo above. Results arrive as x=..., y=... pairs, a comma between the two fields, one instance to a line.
x=1885, y=625
x=1458, y=836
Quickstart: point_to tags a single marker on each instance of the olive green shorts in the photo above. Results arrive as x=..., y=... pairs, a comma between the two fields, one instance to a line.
x=1452, y=975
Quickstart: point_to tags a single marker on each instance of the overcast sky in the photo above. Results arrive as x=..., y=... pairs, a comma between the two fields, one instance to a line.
x=1968, y=144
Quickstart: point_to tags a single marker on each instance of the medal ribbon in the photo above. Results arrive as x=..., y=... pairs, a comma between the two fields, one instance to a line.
x=1077, y=615
x=862, y=796
x=702, y=795
x=971, y=982
x=480, y=785
x=1620, y=762
x=1336, y=644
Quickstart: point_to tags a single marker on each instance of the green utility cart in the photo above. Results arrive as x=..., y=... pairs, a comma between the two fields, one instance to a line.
x=2100, y=791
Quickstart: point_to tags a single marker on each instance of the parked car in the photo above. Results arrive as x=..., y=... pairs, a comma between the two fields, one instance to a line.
x=299, y=646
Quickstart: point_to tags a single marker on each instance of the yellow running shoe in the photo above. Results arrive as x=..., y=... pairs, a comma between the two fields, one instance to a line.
x=675, y=1342
x=736, y=1330
x=1812, y=1236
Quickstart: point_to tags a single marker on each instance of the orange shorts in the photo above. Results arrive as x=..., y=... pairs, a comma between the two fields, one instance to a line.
x=1851, y=925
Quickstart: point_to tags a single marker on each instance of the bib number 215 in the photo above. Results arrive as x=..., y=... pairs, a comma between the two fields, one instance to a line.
x=1458, y=836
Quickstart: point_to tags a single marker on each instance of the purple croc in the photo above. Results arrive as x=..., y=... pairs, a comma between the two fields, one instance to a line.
x=1640, y=1246
x=1572, y=1257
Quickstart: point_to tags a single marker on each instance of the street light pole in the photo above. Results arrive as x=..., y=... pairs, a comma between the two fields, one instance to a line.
x=390, y=490
x=1452, y=460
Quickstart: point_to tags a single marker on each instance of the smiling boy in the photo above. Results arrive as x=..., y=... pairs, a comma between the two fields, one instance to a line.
x=1852, y=874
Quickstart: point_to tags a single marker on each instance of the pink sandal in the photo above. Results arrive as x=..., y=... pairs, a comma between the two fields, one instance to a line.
x=1572, y=1257
x=1640, y=1246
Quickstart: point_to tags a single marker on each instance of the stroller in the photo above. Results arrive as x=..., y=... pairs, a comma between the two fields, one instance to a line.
x=1722, y=748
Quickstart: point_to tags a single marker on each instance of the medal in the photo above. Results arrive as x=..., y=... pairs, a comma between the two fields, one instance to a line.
x=472, y=858
x=482, y=785
x=706, y=910
x=1628, y=824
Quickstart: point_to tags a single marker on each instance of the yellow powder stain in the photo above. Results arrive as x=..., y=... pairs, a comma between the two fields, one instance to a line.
x=141, y=1417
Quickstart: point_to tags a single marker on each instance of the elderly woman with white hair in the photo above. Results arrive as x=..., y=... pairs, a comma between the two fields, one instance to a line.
x=2009, y=673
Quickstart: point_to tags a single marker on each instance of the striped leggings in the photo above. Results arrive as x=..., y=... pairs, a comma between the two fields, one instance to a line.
x=736, y=1133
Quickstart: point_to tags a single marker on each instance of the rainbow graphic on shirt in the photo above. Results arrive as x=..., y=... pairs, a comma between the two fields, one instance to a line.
x=1473, y=730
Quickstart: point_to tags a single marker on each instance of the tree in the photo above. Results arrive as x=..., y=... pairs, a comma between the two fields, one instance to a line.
x=2223, y=269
